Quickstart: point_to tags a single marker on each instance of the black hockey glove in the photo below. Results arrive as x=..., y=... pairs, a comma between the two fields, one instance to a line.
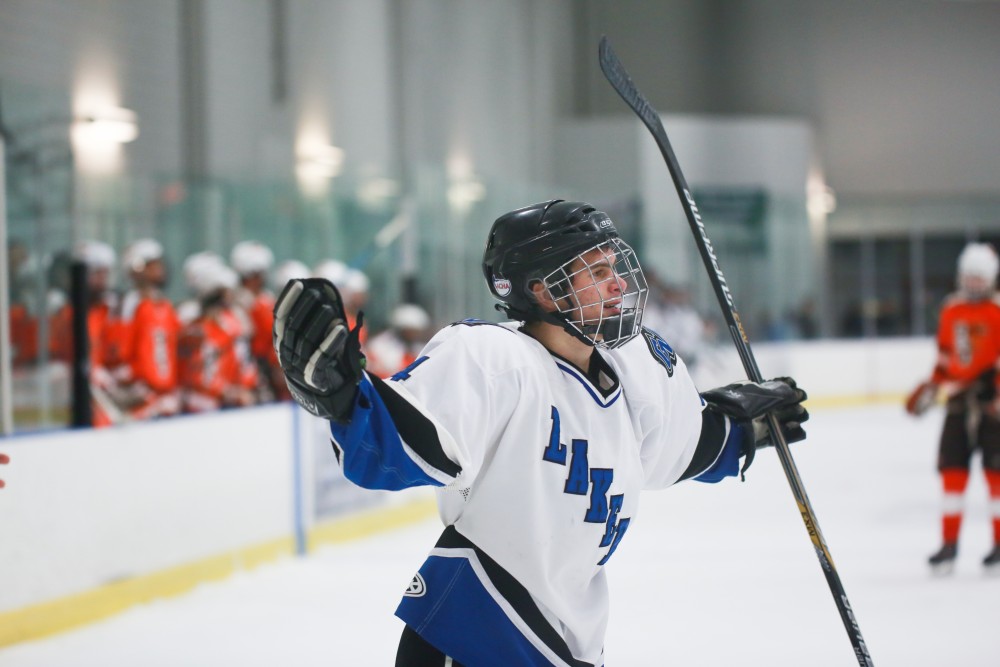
x=749, y=403
x=321, y=359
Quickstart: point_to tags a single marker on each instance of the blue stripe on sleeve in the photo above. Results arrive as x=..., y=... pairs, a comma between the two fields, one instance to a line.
x=373, y=453
x=728, y=463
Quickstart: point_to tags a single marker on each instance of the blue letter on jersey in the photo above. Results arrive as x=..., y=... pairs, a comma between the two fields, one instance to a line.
x=577, y=481
x=598, y=512
x=555, y=451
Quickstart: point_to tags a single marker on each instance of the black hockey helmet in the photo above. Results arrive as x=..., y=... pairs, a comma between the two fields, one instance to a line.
x=534, y=243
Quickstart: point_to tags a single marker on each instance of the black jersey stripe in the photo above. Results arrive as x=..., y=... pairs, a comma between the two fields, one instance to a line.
x=710, y=443
x=415, y=429
x=516, y=594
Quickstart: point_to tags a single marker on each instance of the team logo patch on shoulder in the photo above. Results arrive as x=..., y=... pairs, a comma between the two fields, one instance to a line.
x=417, y=587
x=660, y=349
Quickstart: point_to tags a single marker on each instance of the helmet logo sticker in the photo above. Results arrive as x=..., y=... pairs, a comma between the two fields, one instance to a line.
x=501, y=285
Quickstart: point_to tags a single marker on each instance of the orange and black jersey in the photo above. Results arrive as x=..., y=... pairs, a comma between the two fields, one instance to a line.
x=968, y=340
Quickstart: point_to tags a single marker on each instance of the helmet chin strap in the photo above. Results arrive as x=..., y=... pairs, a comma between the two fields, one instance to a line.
x=561, y=320
x=555, y=319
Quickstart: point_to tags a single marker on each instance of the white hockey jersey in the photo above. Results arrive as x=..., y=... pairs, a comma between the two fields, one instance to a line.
x=539, y=468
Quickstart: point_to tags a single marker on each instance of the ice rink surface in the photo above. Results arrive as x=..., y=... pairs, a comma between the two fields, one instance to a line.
x=708, y=575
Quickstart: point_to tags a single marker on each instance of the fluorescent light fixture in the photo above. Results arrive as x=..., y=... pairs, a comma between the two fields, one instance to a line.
x=113, y=125
x=464, y=193
x=319, y=161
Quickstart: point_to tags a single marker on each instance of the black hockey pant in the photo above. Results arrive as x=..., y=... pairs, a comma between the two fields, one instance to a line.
x=415, y=652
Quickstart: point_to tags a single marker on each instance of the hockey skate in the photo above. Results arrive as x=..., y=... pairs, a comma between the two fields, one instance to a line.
x=943, y=562
x=992, y=561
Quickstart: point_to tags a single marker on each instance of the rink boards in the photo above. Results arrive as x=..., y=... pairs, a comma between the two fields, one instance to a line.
x=96, y=521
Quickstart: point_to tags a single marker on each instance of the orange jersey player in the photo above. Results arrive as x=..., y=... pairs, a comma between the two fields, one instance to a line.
x=102, y=329
x=252, y=262
x=967, y=364
x=215, y=368
x=149, y=336
x=968, y=342
x=288, y=270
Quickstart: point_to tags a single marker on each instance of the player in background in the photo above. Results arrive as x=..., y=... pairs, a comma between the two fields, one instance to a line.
x=538, y=434
x=398, y=346
x=282, y=274
x=290, y=269
x=102, y=329
x=149, y=332
x=252, y=261
x=355, y=295
x=352, y=285
x=192, y=269
x=332, y=270
x=215, y=370
x=968, y=341
x=36, y=314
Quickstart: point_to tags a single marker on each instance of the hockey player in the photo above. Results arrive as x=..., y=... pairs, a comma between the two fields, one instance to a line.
x=149, y=329
x=192, y=270
x=968, y=341
x=397, y=347
x=538, y=434
x=215, y=367
x=290, y=269
x=102, y=328
x=252, y=260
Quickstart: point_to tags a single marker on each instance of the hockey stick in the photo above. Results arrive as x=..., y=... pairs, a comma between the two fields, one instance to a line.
x=619, y=79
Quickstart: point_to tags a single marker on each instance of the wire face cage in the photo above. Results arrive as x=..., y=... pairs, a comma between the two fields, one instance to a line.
x=601, y=292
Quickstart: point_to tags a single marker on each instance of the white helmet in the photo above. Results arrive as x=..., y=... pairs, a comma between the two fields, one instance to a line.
x=409, y=316
x=140, y=253
x=248, y=257
x=95, y=254
x=977, y=271
x=288, y=270
x=355, y=282
x=196, y=264
x=333, y=270
x=978, y=260
x=214, y=277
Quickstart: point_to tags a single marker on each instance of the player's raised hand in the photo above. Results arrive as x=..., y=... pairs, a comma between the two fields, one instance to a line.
x=321, y=359
x=4, y=459
x=751, y=402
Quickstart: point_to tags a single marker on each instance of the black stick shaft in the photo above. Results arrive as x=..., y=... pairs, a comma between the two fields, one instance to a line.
x=619, y=79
